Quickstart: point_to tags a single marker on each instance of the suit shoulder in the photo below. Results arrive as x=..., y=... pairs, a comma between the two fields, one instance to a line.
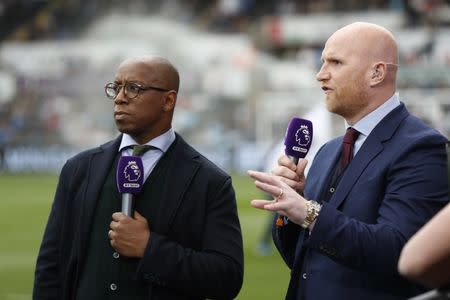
x=210, y=166
x=206, y=165
x=414, y=128
x=85, y=154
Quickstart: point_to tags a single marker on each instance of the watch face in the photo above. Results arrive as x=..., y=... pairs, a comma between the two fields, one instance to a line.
x=312, y=211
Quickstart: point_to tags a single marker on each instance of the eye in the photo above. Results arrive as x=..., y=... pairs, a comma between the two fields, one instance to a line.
x=133, y=88
x=116, y=87
x=335, y=62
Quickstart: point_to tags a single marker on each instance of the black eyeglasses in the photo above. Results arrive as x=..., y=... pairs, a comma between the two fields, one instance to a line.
x=131, y=89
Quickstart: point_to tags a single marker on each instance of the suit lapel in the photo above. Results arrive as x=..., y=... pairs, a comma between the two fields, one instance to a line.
x=321, y=170
x=368, y=151
x=181, y=170
x=98, y=167
x=372, y=146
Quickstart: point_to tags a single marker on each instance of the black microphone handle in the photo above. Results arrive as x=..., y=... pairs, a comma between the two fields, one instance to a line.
x=127, y=204
x=294, y=159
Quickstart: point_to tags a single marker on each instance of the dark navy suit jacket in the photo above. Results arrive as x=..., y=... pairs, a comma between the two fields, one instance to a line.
x=396, y=182
x=195, y=250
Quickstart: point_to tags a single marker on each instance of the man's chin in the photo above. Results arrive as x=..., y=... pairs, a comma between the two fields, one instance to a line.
x=330, y=104
x=124, y=129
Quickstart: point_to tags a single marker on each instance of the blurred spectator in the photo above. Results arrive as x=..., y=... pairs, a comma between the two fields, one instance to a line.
x=4, y=140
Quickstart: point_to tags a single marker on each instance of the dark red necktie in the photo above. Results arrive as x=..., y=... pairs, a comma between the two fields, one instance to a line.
x=347, y=149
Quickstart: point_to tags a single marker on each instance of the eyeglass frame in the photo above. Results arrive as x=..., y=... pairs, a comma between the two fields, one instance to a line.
x=139, y=86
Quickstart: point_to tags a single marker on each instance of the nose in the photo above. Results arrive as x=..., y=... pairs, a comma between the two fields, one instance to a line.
x=323, y=74
x=121, y=98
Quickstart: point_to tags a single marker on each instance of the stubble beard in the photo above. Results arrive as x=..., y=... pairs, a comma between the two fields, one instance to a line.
x=348, y=102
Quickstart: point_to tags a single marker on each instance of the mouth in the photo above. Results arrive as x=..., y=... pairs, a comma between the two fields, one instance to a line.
x=327, y=89
x=118, y=115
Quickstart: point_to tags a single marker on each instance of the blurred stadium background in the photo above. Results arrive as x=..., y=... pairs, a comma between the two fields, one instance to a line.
x=246, y=68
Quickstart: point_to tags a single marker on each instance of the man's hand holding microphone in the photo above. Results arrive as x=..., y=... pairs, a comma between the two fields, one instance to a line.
x=287, y=181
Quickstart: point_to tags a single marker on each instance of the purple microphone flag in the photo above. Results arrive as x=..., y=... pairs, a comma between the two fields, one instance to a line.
x=298, y=138
x=130, y=175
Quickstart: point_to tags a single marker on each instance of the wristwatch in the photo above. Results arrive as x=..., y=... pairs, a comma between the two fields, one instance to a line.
x=312, y=211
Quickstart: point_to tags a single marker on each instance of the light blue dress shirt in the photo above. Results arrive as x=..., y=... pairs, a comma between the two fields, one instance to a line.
x=151, y=157
x=368, y=123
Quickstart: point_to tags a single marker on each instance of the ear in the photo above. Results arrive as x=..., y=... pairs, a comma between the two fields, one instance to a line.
x=375, y=73
x=170, y=100
x=378, y=73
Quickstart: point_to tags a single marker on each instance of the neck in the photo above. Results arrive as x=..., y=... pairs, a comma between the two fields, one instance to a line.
x=146, y=137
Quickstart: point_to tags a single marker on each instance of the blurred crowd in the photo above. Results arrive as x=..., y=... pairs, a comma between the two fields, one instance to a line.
x=58, y=19
x=226, y=97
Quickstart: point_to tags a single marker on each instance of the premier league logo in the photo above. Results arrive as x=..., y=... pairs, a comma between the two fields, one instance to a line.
x=298, y=139
x=132, y=172
x=303, y=136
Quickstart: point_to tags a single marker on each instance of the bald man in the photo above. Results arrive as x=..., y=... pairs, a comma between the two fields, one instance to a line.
x=184, y=240
x=344, y=225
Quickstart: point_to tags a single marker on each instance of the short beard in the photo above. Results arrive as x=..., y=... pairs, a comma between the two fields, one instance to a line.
x=356, y=100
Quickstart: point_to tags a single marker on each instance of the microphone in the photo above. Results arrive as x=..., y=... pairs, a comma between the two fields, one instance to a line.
x=130, y=179
x=297, y=141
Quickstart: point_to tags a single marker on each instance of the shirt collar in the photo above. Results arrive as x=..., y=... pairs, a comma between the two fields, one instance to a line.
x=161, y=142
x=368, y=123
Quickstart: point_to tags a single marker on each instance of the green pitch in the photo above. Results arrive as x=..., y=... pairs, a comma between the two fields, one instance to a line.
x=25, y=202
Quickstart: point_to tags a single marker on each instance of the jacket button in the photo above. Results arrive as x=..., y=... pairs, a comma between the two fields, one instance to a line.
x=304, y=275
x=116, y=255
x=113, y=286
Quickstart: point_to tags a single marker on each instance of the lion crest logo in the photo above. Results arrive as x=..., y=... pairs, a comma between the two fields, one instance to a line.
x=303, y=136
x=132, y=171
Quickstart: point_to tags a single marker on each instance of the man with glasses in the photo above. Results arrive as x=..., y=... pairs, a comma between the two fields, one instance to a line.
x=184, y=240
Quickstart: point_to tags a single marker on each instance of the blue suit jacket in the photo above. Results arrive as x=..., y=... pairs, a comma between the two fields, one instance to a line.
x=396, y=182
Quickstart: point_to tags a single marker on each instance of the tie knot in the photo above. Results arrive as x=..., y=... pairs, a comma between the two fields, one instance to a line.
x=351, y=135
x=139, y=150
